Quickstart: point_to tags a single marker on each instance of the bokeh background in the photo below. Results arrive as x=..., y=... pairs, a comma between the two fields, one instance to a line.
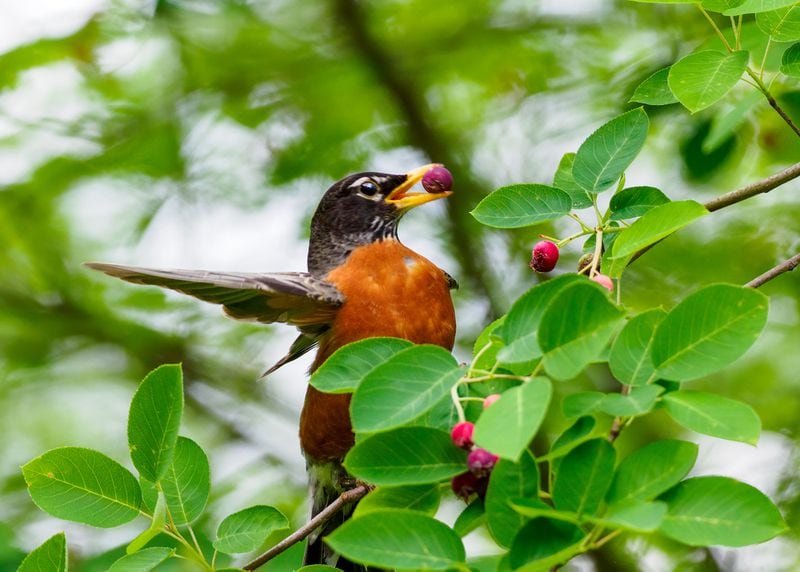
x=201, y=133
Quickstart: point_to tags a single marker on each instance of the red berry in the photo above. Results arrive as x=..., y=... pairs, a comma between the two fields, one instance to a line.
x=604, y=281
x=480, y=462
x=466, y=484
x=544, y=256
x=490, y=399
x=437, y=180
x=462, y=434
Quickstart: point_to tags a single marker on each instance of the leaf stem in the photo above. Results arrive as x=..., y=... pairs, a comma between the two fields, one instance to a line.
x=772, y=101
x=598, y=252
x=716, y=28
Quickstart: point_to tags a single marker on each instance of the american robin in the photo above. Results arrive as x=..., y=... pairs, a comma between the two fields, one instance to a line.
x=361, y=282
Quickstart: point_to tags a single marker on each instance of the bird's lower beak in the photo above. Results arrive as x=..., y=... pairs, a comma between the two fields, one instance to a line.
x=402, y=199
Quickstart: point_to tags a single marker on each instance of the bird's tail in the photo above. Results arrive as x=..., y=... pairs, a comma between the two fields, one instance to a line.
x=326, y=482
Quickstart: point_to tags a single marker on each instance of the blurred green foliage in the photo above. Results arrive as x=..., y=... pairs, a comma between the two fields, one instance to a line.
x=148, y=109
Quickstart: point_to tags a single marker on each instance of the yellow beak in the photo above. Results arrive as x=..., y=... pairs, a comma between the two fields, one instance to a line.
x=404, y=200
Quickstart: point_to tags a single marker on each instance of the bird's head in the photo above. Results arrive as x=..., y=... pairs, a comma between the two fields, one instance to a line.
x=361, y=209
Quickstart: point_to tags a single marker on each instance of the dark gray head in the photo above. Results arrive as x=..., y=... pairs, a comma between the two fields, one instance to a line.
x=359, y=210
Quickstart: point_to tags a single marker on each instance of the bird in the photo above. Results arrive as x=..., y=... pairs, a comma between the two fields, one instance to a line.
x=361, y=282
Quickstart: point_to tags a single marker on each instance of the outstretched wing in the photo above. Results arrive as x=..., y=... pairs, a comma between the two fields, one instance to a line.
x=296, y=298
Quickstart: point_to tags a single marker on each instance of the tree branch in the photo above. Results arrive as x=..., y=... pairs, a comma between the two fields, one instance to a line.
x=321, y=518
x=786, y=266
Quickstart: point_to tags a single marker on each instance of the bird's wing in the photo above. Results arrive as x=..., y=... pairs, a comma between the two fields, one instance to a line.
x=296, y=298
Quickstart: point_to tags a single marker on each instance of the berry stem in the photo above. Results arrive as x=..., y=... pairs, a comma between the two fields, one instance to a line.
x=598, y=251
x=569, y=239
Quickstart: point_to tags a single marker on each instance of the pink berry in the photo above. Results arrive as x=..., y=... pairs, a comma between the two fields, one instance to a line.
x=437, y=180
x=480, y=462
x=467, y=484
x=462, y=434
x=604, y=281
x=544, y=256
x=490, y=399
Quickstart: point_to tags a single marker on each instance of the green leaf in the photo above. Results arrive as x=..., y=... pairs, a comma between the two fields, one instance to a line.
x=656, y=224
x=470, y=518
x=83, y=485
x=248, y=529
x=508, y=426
x=488, y=337
x=406, y=456
x=570, y=345
x=186, y=485
x=635, y=515
x=582, y=403
x=50, y=556
x=154, y=420
x=635, y=201
x=516, y=206
x=790, y=62
x=607, y=152
x=630, y=358
x=564, y=180
x=584, y=477
x=703, y=78
x=719, y=511
x=543, y=543
x=714, y=415
x=782, y=25
x=654, y=90
x=651, y=470
x=721, y=5
x=398, y=539
x=724, y=125
x=509, y=480
x=520, y=330
x=708, y=330
x=755, y=6
x=573, y=436
x=381, y=402
x=421, y=498
x=344, y=370
x=318, y=568
x=142, y=561
x=640, y=400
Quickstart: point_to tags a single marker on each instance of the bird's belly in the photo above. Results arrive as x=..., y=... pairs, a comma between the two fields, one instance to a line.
x=390, y=291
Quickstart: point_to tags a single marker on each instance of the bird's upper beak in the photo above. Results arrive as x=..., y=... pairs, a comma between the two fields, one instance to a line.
x=402, y=199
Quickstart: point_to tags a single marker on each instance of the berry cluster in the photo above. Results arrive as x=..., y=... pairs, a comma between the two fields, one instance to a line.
x=480, y=462
x=544, y=257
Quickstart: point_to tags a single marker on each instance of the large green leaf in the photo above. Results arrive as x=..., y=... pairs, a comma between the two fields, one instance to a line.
x=654, y=90
x=582, y=403
x=782, y=25
x=584, y=477
x=403, y=387
x=630, y=360
x=142, y=561
x=406, y=456
x=656, y=224
x=543, y=543
x=344, y=370
x=651, y=470
x=790, y=61
x=570, y=345
x=154, y=420
x=84, y=486
x=520, y=329
x=714, y=415
x=756, y=6
x=50, y=556
x=421, y=498
x=186, y=485
x=571, y=437
x=708, y=330
x=607, y=152
x=720, y=5
x=393, y=538
x=708, y=511
x=509, y=480
x=247, y=529
x=634, y=515
x=638, y=401
x=703, y=78
x=635, y=201
x=516, y=206
x=564, y=180
x=508, y=426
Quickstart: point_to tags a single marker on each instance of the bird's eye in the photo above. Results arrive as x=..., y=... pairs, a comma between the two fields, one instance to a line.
x=368, y=189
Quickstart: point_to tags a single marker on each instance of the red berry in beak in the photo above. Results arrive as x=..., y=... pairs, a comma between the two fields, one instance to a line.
x=481, y=462
x=462, y=434
x=437, y=180
x=544, y=256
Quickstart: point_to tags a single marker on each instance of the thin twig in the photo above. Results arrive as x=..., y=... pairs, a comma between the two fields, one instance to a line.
x=321, y=518
x=786, y=266
x=772, y=101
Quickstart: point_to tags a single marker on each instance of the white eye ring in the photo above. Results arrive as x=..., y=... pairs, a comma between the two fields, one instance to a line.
x=368, y=189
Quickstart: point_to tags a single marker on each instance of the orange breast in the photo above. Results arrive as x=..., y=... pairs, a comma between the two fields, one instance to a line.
x=390, y=291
